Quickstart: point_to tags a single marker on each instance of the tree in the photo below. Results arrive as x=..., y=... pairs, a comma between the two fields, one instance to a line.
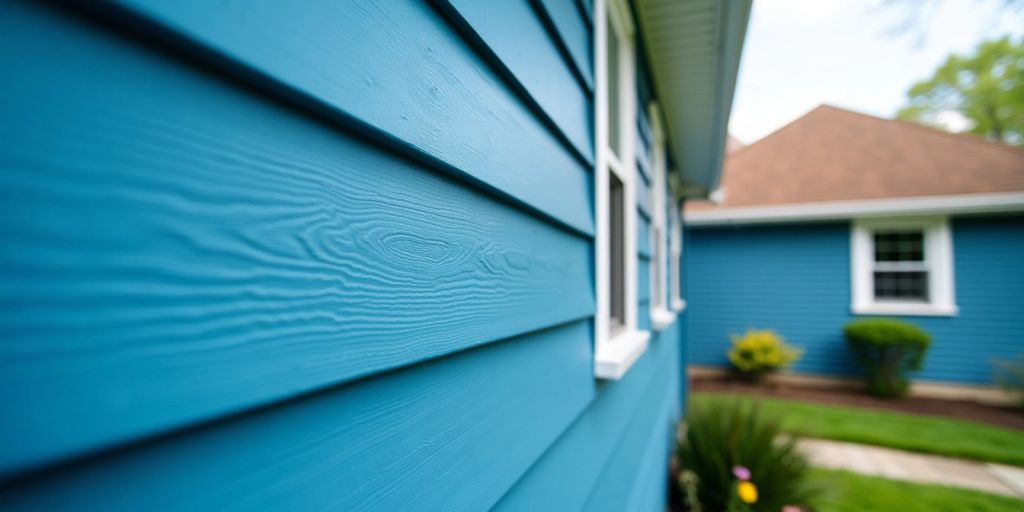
x=986, y=89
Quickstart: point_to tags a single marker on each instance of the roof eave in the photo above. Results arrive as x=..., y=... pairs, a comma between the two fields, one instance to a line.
x=694, y=49
x=961, y=204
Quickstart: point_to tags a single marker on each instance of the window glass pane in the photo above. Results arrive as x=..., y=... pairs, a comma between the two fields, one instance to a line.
x=898, y=246
x=617, y=247
x=906, y=286
x=614, y=88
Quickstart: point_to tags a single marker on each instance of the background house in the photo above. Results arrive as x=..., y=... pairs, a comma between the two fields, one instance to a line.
x=839, y=215
x=349, y=255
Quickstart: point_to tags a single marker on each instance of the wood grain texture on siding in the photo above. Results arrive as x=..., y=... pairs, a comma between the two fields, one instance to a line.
x=177, y=249
x=573, y=29
x=565, y=477
x=512, y=30
x=451, y=434
x=400, y=68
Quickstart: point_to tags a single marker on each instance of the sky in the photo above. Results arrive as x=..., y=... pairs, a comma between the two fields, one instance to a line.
x=802, y=53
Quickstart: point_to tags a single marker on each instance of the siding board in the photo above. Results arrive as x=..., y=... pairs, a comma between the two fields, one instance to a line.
x=634, y=476
x=178, y=249
x=643, y=237
x=397, y=67
x=566, y=476
x=420, y=439
x=512, y=30
x=574, y=31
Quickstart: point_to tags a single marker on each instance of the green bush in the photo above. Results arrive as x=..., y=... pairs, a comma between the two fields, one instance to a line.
x=761, y=351
x=1010, y=375
x=718, y=437
x=888, y=349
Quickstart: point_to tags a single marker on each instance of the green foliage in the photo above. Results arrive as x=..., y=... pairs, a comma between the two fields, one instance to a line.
x=721, y=435
x=887, y=349
x=851, y=492
x=986, y=88
x=911, y=432
x=761, y=351
x=1010, y=375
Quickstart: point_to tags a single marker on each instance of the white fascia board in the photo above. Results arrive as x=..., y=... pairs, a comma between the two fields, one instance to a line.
x=835, y=210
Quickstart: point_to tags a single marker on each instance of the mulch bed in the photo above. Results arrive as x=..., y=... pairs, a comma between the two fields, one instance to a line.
x=961, y=409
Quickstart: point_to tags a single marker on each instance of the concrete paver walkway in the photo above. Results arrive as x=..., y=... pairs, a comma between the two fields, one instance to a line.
x=917, y=467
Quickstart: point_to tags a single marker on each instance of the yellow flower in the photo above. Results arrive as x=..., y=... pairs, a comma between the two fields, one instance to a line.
x=747, y=492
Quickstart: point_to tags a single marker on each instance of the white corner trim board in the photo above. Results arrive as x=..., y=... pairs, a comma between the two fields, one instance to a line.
x=832, y=210
x=613, y=359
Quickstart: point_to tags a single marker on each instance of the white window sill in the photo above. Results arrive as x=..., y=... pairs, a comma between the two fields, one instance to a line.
x=661, y=318
x=617, y=355
x=678, y=305
x=905, y=309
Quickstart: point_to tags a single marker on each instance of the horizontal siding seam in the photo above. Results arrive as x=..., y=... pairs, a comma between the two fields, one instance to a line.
x=250, y=410
x=462, y=27
x=634, y=419
x=563, y=48
x=225, y=67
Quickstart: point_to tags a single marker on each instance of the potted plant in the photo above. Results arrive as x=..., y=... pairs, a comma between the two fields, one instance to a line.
x=758, y=353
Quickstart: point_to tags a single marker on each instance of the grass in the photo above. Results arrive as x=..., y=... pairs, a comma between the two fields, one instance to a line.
x=926, y=434
x=850, y=492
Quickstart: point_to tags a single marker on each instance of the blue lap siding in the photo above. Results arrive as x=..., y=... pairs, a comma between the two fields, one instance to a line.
x=341, y=262
x=795, y=279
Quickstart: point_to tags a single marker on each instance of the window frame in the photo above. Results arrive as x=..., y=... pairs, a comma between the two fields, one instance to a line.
x=937, y=262
x=615, y=354
x=675, y=274
x=661, y=314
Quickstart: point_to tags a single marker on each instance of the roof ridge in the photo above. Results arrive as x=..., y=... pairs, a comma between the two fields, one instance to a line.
x=775, y=131
x=961, y=136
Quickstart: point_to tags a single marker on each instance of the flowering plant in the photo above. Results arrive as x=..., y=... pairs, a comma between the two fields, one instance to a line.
x=735, y=459
x=760, y=351
x=745, y=493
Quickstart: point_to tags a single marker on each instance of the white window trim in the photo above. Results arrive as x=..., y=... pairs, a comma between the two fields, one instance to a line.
x=675, y=274
x=938, y=257
x=661, y=315
x=613, y=356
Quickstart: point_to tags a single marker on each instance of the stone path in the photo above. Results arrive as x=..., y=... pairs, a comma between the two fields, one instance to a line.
x=917, y=467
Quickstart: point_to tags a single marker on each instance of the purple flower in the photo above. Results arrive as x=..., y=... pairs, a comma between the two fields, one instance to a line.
x=791, y=508
x=741, y=472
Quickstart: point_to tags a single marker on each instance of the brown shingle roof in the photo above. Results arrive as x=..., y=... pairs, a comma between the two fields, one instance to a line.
x=832, y=154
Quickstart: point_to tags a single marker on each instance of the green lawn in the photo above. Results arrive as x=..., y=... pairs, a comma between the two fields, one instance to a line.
x=850, y=492
x=928, y=434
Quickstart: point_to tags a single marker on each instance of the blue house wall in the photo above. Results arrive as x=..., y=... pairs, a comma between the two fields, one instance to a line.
x=331, y=257
x=795, y=278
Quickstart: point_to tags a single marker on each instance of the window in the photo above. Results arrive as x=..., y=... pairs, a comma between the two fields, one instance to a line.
x=661, y=316
x=618, y=342
x=902, y=267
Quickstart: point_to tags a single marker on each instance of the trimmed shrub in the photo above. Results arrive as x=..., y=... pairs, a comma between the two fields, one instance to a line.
x=729, y=452
x=1010, y=375
x=888, y=349
x=758, y=352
